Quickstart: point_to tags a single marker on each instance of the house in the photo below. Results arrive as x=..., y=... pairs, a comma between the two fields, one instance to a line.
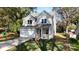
x=43, y=24
x=72, y=34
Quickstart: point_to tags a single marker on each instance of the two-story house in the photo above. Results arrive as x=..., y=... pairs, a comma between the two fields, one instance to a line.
x=43, y=24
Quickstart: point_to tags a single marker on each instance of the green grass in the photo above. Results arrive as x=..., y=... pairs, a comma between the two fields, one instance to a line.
x=74, y=44
x=46, y=45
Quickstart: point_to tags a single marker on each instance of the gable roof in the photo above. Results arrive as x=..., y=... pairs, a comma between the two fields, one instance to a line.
x=27, y=17
x=44, y=12
x=36, y=15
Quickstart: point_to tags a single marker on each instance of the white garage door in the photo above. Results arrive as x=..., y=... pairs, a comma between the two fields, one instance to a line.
x=27, y=33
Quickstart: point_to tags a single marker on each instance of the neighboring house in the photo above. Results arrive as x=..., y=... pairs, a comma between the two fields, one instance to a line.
x=43, y=24
x=72, y=34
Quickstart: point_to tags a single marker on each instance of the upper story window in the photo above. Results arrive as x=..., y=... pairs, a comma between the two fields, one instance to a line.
x=29, y=21
x=44, y=20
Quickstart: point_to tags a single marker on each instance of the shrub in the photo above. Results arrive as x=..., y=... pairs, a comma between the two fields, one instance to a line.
x=71, y=27
x=72, y=40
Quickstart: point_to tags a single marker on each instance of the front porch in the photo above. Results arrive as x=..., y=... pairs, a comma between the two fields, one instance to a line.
x=43, y=32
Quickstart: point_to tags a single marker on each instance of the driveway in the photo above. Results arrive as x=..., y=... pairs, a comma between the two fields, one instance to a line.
x=5, y=45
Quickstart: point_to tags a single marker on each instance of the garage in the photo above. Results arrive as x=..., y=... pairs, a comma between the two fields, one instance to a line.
x=27, y=32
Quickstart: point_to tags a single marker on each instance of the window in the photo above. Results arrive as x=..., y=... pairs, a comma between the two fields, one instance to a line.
x=29, y=21
x=44, y=20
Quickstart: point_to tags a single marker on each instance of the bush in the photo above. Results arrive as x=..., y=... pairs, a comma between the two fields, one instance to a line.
x=72, y=41
x=71, y=27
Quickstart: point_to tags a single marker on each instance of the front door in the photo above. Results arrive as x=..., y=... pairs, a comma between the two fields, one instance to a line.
x=45, y=30
x=39, y=31
x=45, y=33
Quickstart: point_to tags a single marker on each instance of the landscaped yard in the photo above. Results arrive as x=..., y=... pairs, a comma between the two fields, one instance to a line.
x=47, y=45
x=8, y=36
x=61, y=44
x=32, y=46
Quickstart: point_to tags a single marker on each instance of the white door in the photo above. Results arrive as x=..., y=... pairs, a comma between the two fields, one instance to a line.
x=45, y=33
x=29, y=32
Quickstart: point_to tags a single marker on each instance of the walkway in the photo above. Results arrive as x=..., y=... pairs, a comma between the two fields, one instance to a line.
x=5, y=45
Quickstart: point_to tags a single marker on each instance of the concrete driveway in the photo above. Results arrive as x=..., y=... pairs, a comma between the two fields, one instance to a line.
x=5, y=45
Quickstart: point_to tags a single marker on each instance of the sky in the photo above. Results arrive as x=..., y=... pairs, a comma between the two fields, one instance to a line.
x=40, y=9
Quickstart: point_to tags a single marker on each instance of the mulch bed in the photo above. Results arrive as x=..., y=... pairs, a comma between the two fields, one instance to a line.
x=9, y=36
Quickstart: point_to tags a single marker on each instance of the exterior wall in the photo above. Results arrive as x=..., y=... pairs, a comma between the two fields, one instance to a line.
x=39, y=19
x=28, y=32
x=51, y=32
x=50, y=20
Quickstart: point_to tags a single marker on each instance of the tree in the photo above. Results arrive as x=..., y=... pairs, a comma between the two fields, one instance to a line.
x=61, y=26
x=17, y=12
x=71, y=14
x=68, y=15
x=14, y=27
x=11, y=16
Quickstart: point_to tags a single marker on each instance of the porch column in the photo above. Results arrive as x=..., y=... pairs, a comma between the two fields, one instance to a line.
x=41, y=32
x=48, y=33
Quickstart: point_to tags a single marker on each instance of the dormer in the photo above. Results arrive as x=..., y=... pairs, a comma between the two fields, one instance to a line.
x=44, y=18
x=29, y=21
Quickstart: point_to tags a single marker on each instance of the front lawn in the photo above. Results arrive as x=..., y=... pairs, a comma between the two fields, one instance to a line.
x=45, y=45
x=62, y=44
